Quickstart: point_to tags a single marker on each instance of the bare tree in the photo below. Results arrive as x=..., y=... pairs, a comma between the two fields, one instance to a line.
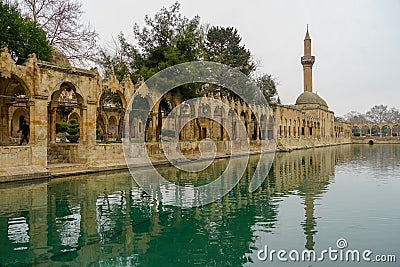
x=393, y=115
x=60, y=19
x=378, y=114
x=355, y=117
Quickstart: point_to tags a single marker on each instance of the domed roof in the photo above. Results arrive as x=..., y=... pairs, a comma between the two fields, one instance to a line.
x=58, y=58
x=310, y=98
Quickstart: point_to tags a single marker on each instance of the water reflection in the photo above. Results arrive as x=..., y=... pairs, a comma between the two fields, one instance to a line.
x=107, y=220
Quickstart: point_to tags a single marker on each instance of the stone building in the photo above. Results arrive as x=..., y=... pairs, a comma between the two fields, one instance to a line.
x=47, y=94
x=308, y=122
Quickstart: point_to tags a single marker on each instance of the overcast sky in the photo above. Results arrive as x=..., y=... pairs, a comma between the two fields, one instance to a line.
x=356, y=43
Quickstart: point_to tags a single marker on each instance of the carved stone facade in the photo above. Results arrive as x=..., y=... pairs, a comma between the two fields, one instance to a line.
x=47, y=93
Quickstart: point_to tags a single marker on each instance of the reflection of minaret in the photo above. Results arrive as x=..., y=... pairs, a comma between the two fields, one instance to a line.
x=307, y=61
x=309, y=223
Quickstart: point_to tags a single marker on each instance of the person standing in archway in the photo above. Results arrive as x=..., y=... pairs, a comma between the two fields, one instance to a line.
x=25, y=133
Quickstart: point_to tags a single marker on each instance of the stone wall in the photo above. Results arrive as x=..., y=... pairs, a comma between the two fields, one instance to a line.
x=108, y=152
x=14, y=156
x=299, y=142
x=65, y=153
x=17, y=163
x=375, y=140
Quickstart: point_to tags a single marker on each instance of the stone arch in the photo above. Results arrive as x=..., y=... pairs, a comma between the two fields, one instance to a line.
x=243, y=118
x=232, y=123
x=396, y=130
x=365, y=130
x=74, y=115
x=58, y=89
x=20, y=114
x=187, y=110
x=64, y=101
x=164, y=107
x=386, y=130
x=112, y=103
x=112, y=127
x=205, y=109
x=253, y=127
x=375, y=129
x=140, y=113
x=218, y=115
x=356, y=130
x=14, y=94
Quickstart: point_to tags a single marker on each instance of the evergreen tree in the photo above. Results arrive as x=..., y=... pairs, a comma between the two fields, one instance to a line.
x=73, y=131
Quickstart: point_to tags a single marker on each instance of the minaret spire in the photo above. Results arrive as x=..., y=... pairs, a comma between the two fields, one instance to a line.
x=307, y=61
x=307, y=34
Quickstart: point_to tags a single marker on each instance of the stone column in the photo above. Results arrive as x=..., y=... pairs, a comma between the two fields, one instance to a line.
x=88, y=130
x=53, y=121
x=38, y=127
x=83, y=125
x=154, y=121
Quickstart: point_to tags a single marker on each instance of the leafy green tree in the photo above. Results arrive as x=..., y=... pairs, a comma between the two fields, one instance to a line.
x=73, y=131
x=21, y=36
x=165, y=40
x=168, y=39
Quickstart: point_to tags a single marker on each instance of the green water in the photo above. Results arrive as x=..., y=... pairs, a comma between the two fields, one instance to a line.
x=310, y=199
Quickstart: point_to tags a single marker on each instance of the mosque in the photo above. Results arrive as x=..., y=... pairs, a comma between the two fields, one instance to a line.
x=309, y=122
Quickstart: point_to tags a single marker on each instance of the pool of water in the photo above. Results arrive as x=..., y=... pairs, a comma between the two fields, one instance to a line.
x=310, y=200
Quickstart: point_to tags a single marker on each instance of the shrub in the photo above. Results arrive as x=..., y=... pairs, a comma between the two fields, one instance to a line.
x=61, y=127
x=73, y=131
x=357, y=134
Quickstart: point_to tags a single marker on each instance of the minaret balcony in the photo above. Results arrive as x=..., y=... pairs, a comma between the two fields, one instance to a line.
x=307, y=60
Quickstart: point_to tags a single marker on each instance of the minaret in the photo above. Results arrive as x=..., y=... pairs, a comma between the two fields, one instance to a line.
x=307, y=61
